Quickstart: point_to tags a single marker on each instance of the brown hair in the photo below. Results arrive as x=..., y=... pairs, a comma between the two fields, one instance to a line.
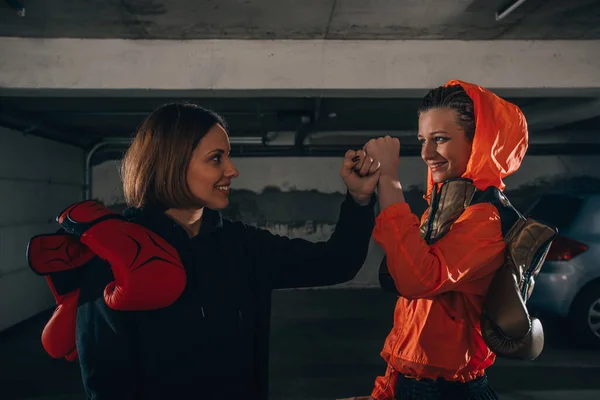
x=455, y=98
x=154, y=169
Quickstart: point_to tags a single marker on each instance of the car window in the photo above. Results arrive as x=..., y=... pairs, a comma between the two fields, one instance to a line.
x=557, y=210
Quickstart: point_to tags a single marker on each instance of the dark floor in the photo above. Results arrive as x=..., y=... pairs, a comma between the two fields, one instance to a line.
x=325, y=345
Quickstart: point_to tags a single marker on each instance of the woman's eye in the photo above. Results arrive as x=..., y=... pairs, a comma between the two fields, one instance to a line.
x=216, y=158
x=440, y=139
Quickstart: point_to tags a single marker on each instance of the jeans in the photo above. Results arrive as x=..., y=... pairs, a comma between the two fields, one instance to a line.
x=428, y=389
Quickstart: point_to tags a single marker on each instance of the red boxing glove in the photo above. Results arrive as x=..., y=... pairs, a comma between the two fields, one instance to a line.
x=60, y=258
x=148, y=272
x=58, y=336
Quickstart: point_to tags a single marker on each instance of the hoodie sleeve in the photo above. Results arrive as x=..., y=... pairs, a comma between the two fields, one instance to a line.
x=472, y=249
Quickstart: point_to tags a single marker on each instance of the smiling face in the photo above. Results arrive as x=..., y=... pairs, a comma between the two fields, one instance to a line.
x=444, y=145
x=211, y=170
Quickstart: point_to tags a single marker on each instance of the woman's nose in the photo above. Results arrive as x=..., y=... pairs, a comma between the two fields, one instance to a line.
x=231, y=171
x=428, y=151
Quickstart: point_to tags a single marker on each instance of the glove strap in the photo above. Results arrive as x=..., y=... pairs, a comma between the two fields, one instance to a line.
x=80, y=217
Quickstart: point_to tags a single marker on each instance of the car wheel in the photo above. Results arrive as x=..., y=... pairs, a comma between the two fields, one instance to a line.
x=585, y=316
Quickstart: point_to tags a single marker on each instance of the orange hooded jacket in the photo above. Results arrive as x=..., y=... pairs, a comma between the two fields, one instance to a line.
x=436, y=331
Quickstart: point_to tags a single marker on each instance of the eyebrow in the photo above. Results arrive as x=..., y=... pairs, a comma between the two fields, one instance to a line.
x=431, y=134
x=217, y=151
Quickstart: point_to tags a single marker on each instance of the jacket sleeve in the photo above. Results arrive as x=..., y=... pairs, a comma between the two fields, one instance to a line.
x=472, y=249
x=105, y=347
x=293, y=263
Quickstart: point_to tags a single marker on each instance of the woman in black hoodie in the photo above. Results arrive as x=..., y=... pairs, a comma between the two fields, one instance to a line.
x=212, y=343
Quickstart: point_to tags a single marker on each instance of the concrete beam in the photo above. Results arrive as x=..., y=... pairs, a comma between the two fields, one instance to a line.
x=318, y=67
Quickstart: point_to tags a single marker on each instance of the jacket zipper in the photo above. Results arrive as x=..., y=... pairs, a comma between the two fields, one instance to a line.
x=435, y=199
x=390, y=376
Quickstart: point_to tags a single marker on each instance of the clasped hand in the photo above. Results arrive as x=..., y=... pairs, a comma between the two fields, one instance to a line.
x=362, y=169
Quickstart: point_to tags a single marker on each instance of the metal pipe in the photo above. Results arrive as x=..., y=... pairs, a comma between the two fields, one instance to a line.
x=246, y=140
x=87, y=194
x=501, y=14
x=544, y=116
x=144, y=113
x=18, y=6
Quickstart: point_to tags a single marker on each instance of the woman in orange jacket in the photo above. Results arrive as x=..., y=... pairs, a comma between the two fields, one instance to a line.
x=470, y=137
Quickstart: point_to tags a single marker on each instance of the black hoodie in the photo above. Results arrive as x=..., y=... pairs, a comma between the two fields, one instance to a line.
x=213, y=342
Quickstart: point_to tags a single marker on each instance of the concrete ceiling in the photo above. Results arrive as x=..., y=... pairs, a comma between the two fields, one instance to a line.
x=335, y=123
x=303, y=19
x=86, y=121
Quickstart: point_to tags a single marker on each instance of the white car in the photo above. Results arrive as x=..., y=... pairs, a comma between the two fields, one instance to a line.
x=569, y=282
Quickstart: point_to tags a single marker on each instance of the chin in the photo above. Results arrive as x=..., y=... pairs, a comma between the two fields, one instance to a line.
x=218, y=205
x=443, y=177
x=438, y=178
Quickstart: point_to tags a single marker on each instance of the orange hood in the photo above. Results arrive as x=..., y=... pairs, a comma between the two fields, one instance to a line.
x=500, y=140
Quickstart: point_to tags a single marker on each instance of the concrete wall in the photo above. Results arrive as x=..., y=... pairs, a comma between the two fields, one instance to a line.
x=300, y=197
x=38, y=178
